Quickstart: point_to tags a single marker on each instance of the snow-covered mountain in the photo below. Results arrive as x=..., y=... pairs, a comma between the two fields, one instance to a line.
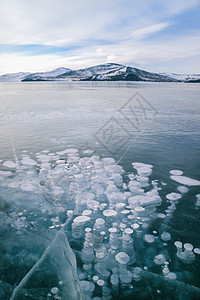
x=113, y=72
x=184, y=77
x=105, y=72
x=12, y=77
x=45, y=76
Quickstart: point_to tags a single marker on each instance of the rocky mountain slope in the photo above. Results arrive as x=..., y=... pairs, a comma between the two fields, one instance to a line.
x=104, y=72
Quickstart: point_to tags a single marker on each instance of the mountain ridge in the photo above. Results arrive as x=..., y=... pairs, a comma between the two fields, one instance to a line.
x=102, y=72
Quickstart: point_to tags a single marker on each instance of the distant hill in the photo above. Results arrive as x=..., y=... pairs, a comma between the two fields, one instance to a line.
x=104, y=72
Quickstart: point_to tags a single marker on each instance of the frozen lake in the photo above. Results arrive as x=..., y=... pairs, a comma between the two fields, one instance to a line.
x=46, y=129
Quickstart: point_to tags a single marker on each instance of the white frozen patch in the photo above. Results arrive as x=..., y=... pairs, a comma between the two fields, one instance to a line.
x=176, y=172
x=26, y=160
x=185, y=180
x=9, y=164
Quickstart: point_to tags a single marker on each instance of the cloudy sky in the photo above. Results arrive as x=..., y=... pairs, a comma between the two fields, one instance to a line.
x=154, y=35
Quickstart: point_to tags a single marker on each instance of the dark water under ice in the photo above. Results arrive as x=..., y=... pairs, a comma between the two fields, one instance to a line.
x=152, y=123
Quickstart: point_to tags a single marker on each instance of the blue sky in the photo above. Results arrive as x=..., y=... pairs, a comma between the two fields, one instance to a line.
x=154, y=35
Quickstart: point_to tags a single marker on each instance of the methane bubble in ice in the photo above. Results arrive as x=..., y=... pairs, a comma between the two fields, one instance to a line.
x=172, y=276
x=81, y=219
x=86, y=212
x=100, y=282
x=54, y=290
x=173, y=196
x=197, y=250
x=138, y=165
x=159, y=259
x=26, y=160
x=188, y=247
x=149, y=238
x=6, y=173
x=122, y=258
x=9, y=164
x=166, y=236
x=27, y=187
x=144, y=171
x=176, y=172
x=109, y=213
x=185, y=180
x=182, y=189
x=161, y=215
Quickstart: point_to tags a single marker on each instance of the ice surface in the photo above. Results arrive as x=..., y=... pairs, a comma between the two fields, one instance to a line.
x=94, y=190
x=59, y=259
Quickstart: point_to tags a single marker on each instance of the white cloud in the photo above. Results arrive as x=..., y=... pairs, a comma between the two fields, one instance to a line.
x=102, y=31
x=125, y=52
x=148, y=30
x=61, y=22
